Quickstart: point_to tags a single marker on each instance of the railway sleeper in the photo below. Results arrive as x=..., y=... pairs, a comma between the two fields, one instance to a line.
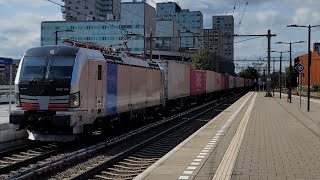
x=20, y=156
x=143, y=158
x=6, y=162
x=124, y=171
x=116, y=175
x=134, y=165
x=127, y=167
x=152, y=151
x=13, y=159
x=146, y=154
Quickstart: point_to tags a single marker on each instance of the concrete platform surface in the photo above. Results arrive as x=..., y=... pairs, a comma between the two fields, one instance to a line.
x=9, y=135
x=4, y=112
x=255, y=138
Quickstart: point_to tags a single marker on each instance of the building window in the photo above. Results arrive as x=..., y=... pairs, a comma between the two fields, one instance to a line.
x=91, y=13
x=78, y=2
x=86, y=7
x=76, y=7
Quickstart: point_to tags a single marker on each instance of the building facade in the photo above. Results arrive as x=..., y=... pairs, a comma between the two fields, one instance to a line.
x=87, y=10
x=5, y=71
x=315, y=69
x=223, y=37
x=107, y=33
x=165, y=31
x=189, y=21
x=208, y=39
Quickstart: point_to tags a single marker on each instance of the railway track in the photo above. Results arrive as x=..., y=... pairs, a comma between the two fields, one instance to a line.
x=11, y=160
x=129, y=164
x=89, y=161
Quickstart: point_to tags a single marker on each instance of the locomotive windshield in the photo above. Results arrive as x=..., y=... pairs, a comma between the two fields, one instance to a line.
x=47, y=67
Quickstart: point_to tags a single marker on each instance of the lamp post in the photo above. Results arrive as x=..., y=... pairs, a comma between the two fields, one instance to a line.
x=280, y=71
x=290, y=67
x=309, y=56
x=56, y=33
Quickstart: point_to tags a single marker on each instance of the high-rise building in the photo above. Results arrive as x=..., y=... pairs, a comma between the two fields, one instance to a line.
x=86, y=10
x=138, y=19
x=190, y=22
x=208, y=39
x=223, y=36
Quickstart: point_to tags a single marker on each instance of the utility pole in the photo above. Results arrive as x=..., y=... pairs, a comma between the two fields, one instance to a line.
x=290, y=67
x=274, y=72
x=264, y=77
x=309, y=56
x=309, y=65
x=280, y=72
x=268, y=77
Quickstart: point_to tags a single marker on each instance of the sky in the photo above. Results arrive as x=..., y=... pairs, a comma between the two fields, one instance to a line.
x=20, y=24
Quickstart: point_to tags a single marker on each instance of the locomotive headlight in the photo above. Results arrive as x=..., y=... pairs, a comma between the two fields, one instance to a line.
x=17, y=101
x=75, y=100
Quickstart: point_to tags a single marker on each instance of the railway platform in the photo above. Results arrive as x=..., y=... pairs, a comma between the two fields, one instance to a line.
x=9, y=135
x=255, y=138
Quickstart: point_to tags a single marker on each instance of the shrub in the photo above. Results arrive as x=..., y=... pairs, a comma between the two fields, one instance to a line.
x=315, y=88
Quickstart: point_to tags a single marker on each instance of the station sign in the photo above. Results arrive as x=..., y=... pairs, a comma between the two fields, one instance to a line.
x=299, y=67
x=6, y=61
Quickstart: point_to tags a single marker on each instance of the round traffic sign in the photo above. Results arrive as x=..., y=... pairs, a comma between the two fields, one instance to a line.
x=299, y=67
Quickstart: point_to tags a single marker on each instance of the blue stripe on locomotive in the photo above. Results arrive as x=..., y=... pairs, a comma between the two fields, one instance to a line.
x=112, y=88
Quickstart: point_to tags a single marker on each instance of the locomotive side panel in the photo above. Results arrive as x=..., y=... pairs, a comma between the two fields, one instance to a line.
x=123, y=88
x=91, y=98
x=138, y=87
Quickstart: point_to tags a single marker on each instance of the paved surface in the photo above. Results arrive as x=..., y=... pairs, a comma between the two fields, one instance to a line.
x=268, y=138
x=4, y=112
x=281, y=141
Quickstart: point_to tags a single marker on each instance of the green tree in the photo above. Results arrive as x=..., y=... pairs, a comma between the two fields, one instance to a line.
x=203, y=60
x=249, y=73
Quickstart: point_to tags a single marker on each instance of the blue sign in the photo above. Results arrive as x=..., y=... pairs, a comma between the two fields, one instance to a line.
x=299, y=68
x=6, y=61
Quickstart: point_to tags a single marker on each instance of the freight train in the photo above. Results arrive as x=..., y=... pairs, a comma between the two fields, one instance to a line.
x=65, y=91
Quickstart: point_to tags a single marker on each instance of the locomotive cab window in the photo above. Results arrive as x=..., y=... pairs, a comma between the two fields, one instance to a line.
x=99, y=72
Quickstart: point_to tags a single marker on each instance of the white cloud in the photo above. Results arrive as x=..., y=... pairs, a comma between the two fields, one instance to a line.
x=22, y=34
x=33, y=3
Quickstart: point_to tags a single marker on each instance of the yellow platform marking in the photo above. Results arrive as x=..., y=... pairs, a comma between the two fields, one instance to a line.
x=226, y=165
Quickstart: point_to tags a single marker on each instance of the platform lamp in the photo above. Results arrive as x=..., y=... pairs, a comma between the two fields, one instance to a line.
x=290, y=68
x=56, y=33
x=281, y=52
x=309, y=56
